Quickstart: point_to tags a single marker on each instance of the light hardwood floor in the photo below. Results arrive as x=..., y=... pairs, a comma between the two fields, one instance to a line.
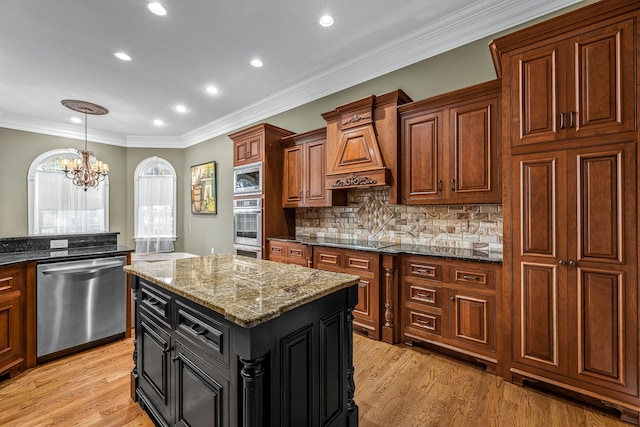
x=395, y=386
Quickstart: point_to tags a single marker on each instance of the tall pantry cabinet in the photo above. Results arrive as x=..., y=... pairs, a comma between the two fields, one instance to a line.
x=570, y=206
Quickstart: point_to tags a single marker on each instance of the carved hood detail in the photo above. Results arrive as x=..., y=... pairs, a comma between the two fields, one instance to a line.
x=362, y=142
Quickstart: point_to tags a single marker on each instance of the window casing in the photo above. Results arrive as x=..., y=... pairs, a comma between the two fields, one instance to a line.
x=56, y=206
x=155, y=206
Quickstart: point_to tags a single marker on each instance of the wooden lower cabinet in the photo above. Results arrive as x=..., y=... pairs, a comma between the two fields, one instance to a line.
x=289, y=253
x=12, y=338
x=575, y=288
x=451, y=304
x=370, y=309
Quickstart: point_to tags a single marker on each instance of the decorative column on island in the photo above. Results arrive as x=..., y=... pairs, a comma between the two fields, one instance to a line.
x=226, y=340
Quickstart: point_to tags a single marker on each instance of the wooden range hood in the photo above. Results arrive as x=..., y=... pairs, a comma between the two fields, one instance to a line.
x=363, y=143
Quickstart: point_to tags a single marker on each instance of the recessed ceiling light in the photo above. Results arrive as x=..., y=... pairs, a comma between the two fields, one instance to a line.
x=326, y=21
x=256, y=63
x=157, y=9
x=181, y=108
x=212, y=90
x=123, y=56
x=76, y=120
x=158, y=122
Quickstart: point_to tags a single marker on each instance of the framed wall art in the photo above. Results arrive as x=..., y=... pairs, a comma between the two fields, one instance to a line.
x=203, y=189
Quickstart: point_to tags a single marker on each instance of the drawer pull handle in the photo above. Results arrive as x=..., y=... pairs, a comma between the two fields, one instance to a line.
x=452, y=298
x=199, y=330
x=467, y=277
x=561, y=120
x=424, y=271
x=152, y=301
x=423, y=295
x=424, y=322
x=572, y=119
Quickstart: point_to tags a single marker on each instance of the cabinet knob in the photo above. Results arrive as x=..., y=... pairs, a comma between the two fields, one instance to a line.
x=572, y=263
x=452, y=298
x=174, y=358
x=562, y=262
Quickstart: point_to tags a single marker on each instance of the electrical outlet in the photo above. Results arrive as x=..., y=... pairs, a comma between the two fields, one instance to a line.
x=59, y=244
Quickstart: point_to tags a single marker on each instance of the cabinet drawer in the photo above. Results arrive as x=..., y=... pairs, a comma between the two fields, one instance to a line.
x=208, y=335
x=424, y=294
x=155, y=302
x=11, y=279
x=424, y=322
x=416, y=267
x=276, y=249
x=473, y=276
x=324, y=258
x=296, y=253
x=361, y=263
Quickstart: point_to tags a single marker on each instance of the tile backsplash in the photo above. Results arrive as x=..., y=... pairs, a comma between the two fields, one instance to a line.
x=368, y=216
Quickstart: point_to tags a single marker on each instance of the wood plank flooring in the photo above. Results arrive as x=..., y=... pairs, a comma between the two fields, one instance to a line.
x=395, y=386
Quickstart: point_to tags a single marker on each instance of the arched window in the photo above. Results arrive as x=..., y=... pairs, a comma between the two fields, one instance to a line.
x=154, y=205
x=56, y=206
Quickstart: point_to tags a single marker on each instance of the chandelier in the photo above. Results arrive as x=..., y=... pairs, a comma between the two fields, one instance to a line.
x=87, y=171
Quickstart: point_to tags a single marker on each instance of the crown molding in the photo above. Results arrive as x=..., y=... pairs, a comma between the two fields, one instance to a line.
x=480, y=19
x=155, y=142
x=46, y=127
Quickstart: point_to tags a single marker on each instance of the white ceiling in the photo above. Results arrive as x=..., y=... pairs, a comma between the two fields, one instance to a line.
x=63, y=49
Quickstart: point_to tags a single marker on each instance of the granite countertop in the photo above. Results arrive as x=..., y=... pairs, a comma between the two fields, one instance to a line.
x=246, y=291
x=68, y=254
x=396, y=249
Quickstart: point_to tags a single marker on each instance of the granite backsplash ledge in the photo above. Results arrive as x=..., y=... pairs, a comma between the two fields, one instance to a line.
x=369, y=216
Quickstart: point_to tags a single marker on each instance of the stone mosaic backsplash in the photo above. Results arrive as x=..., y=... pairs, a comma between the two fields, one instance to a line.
x=366, y=217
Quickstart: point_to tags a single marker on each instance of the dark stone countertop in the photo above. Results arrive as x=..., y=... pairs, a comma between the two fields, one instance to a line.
x=397, y=249
x=69, y=254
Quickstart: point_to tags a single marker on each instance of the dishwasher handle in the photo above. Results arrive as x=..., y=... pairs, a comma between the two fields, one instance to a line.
x=82, y=269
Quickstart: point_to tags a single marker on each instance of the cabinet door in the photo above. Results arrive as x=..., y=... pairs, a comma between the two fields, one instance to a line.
x=11, y=352
x=202, y=394
x=248, y=150
x=293, y=181
x=472, y=319
x=422, y=139
x=603, y=83
x=602, y=271
x=538, y=94
x=315, y=193
x=473, y=152
x=154, y=365
x=539, y=244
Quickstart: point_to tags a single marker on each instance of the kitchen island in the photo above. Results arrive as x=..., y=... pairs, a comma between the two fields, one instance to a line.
x=233, y=341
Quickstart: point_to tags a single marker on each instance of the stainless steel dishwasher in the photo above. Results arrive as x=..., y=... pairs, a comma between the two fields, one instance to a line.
x=79, y=302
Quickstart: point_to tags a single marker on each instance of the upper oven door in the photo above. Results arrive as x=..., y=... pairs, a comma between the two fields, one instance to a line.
x=247, y=179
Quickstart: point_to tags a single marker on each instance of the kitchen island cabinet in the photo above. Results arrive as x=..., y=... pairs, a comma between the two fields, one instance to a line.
x=230, y=341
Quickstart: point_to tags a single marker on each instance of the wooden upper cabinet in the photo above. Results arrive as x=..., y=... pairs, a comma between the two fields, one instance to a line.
x=248, y=149
x=293, y=182
x=580, y=86
x=450, y=147
x=304, y=172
